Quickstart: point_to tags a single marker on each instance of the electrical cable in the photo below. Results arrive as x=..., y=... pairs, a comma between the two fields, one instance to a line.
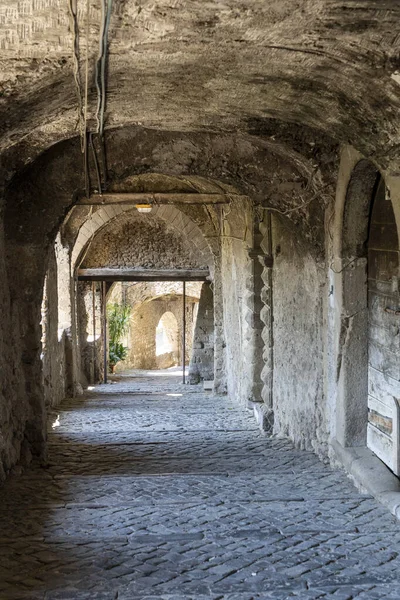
x=85, y=113
x=103, y=67
x=298, y=206
x=98, y=63
x=101, y=63
x=72, y=5
x=96, y=163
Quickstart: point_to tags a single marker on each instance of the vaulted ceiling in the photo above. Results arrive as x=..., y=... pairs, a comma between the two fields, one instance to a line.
x=218, y=66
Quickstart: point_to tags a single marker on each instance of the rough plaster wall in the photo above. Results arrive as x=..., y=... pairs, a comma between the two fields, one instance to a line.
x=140, y=242
x=140, y=339
x=14, y=407
x=235, y=263
x=202, y=360
x=284, y=59
x=53, y=348
x=142, y=352
x=236, y=239
x=298, y=287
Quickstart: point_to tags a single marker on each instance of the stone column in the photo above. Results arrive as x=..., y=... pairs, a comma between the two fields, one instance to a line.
x=266, y=413
x=202, y=360
x=253, y=342
x=220, y=386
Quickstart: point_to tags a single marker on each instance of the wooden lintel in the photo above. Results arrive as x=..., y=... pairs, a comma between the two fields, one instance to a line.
x=109, y=274
x=154, y=198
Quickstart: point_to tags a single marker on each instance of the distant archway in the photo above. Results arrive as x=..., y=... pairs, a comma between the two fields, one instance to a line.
x=167, y=341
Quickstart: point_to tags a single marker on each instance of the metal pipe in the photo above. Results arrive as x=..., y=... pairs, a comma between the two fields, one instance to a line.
x=184, y=331
x=104, y=307
x=94, y=329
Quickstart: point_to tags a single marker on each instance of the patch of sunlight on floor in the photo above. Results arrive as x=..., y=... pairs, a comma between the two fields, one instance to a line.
x=165, y=374
x=56, y=423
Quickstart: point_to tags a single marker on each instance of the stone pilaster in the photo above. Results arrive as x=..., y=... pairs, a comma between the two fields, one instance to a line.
x=266, y=315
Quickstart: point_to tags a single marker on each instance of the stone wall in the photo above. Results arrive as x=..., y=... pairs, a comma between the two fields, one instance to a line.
x=236, y=240
x=140, y=241
x=53, y=340
x=14, y=406
x=202, y=359
x=298, y=300
x=42, y=194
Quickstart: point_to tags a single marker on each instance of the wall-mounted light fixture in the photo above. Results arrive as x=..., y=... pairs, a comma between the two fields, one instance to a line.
x=143, y=208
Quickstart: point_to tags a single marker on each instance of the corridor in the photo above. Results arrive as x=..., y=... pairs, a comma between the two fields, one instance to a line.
x=155, y=490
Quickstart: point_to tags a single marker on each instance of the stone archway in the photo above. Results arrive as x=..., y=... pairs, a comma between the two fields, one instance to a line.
x=350, y=300
x=383, y=331
x=364, y=410
x=167, y=341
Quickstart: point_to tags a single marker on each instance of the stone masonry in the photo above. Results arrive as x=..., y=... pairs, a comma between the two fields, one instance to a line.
x=202, y=356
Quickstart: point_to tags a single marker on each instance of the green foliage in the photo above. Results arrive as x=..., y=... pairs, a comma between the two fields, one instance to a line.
x=117, y=352
x=118, y=316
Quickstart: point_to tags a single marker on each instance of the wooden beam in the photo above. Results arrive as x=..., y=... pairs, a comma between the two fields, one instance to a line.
x=154, y=198
x=110, y=274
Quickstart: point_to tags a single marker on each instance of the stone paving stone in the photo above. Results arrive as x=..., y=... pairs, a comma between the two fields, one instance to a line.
x=207, y=508
x=233, y=518
x=40, y=489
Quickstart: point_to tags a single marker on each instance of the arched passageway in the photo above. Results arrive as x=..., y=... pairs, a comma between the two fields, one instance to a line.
x=367, y=359
x=251, y=150
x=383, y=433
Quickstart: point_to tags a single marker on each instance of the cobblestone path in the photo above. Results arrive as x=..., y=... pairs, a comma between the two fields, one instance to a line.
x=159, y=491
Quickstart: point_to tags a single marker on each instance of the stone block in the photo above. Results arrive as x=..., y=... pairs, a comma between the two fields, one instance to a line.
x=264, y=417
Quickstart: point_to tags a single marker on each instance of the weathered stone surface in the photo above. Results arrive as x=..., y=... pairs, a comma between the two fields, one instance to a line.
x=264, y=520
x=292, y=63
x=202, y=357
x=141, y=241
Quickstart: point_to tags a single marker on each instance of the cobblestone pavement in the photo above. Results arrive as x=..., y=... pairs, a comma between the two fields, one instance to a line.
x=157, y=491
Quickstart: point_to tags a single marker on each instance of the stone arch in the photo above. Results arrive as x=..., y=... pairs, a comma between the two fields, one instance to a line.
x=145, y=318
x=350, y=303
x=180, y=222
x=53, y=184
x=167, y=340
x=359, y=381
x=383, y=273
